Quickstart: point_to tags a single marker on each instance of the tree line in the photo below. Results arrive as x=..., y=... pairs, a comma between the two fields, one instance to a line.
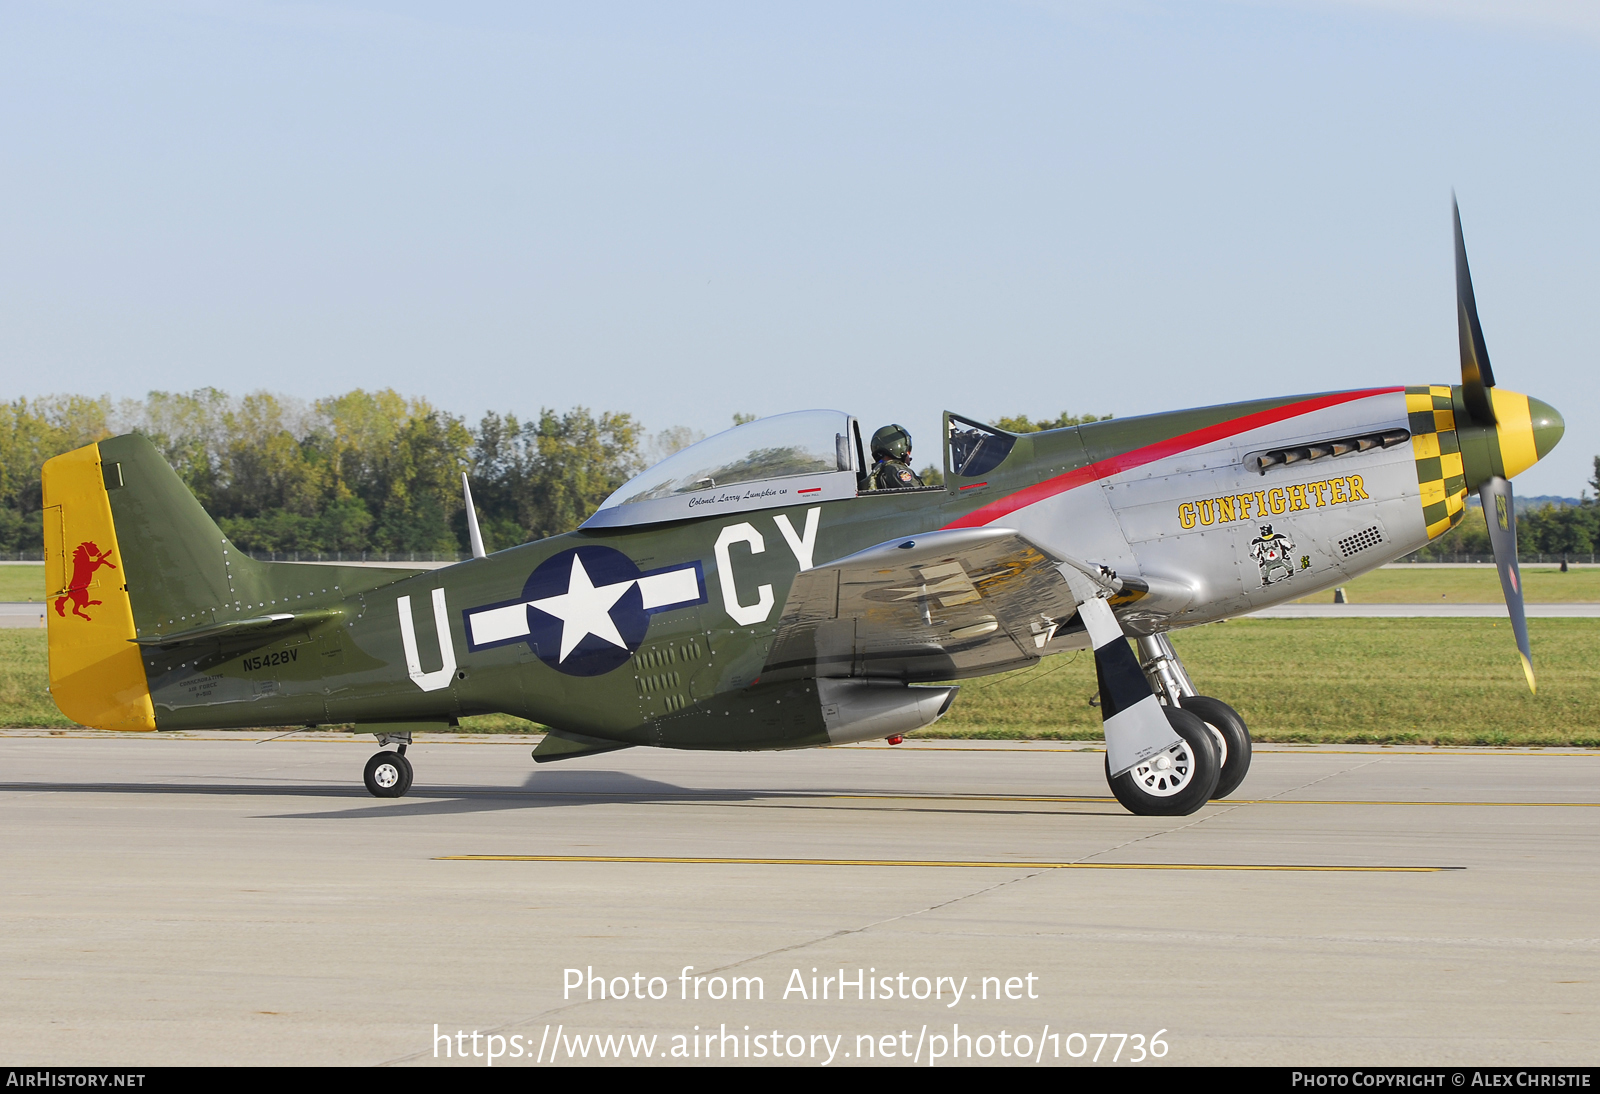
x=1553, y=531
x=377, y=472
x=366, y=471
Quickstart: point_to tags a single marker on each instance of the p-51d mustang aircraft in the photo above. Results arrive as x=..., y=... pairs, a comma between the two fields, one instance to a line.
x=749, y=593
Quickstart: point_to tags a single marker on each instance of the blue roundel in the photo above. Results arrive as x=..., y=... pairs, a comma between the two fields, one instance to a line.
x=585, y=612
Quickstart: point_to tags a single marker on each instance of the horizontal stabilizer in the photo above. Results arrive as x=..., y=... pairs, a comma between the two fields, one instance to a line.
x=257, y=630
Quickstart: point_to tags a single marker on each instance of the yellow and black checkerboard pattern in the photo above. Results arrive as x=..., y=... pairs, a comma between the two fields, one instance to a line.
x=1432, y=419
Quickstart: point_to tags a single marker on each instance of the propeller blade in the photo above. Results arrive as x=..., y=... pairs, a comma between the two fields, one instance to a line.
x=1500, y=514
x=1476, y=375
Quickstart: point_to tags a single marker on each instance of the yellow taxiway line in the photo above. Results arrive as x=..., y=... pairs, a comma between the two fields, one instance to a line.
x=942, y=863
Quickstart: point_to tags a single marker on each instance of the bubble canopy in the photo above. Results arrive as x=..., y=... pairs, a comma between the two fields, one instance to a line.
x=787, y=459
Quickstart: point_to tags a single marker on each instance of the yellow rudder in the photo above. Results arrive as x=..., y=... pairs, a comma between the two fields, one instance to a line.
x=96, y=675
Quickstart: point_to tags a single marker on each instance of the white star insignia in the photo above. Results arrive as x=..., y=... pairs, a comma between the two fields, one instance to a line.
x=584, y=609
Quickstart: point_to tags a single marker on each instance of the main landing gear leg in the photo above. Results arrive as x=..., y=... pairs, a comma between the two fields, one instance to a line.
x=1171, y=683
x=388, y=774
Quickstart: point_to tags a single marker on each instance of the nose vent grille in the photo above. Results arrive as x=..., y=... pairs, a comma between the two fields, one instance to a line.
x=1356, y=542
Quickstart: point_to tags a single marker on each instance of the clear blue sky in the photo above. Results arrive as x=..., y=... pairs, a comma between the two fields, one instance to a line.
x=685, y=210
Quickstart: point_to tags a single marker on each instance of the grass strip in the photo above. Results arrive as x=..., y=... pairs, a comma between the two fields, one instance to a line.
x=1358, y=681
x=20, y=582
x=1464, y=585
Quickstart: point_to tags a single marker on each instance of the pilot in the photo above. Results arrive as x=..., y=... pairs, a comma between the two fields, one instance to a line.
x=891, y=447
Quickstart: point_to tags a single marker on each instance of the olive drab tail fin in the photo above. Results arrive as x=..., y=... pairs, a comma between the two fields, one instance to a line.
x=96, y=672
x=135, y=565
x=130, y=552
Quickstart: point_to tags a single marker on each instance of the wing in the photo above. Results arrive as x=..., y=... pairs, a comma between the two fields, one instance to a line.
x=938, y=606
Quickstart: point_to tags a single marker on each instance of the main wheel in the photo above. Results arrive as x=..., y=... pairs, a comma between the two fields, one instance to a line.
x=1176, y=782
x=388, y=775
x=1233, y=739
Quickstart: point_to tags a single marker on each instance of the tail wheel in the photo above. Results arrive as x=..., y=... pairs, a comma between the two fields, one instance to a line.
x=1176, y=782
x=1233, y=739
x=388, y=775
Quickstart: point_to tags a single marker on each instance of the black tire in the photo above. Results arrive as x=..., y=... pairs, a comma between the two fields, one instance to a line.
x=388, y=775
x=1186, y=781
x=1226, y=724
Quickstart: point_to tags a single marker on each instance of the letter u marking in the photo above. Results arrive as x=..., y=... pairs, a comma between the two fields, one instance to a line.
x=428, y=681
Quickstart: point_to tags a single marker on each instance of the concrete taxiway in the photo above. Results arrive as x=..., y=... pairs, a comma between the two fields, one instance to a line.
x=23, y=614
x=222, y=898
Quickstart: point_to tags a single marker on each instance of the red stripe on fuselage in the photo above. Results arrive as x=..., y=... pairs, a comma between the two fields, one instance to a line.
x=1138, y=457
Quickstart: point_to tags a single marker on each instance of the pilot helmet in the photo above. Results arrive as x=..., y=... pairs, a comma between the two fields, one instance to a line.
x=891, y=441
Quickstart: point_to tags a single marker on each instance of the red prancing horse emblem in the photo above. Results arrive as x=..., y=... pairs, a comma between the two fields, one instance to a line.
x=85, y=561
